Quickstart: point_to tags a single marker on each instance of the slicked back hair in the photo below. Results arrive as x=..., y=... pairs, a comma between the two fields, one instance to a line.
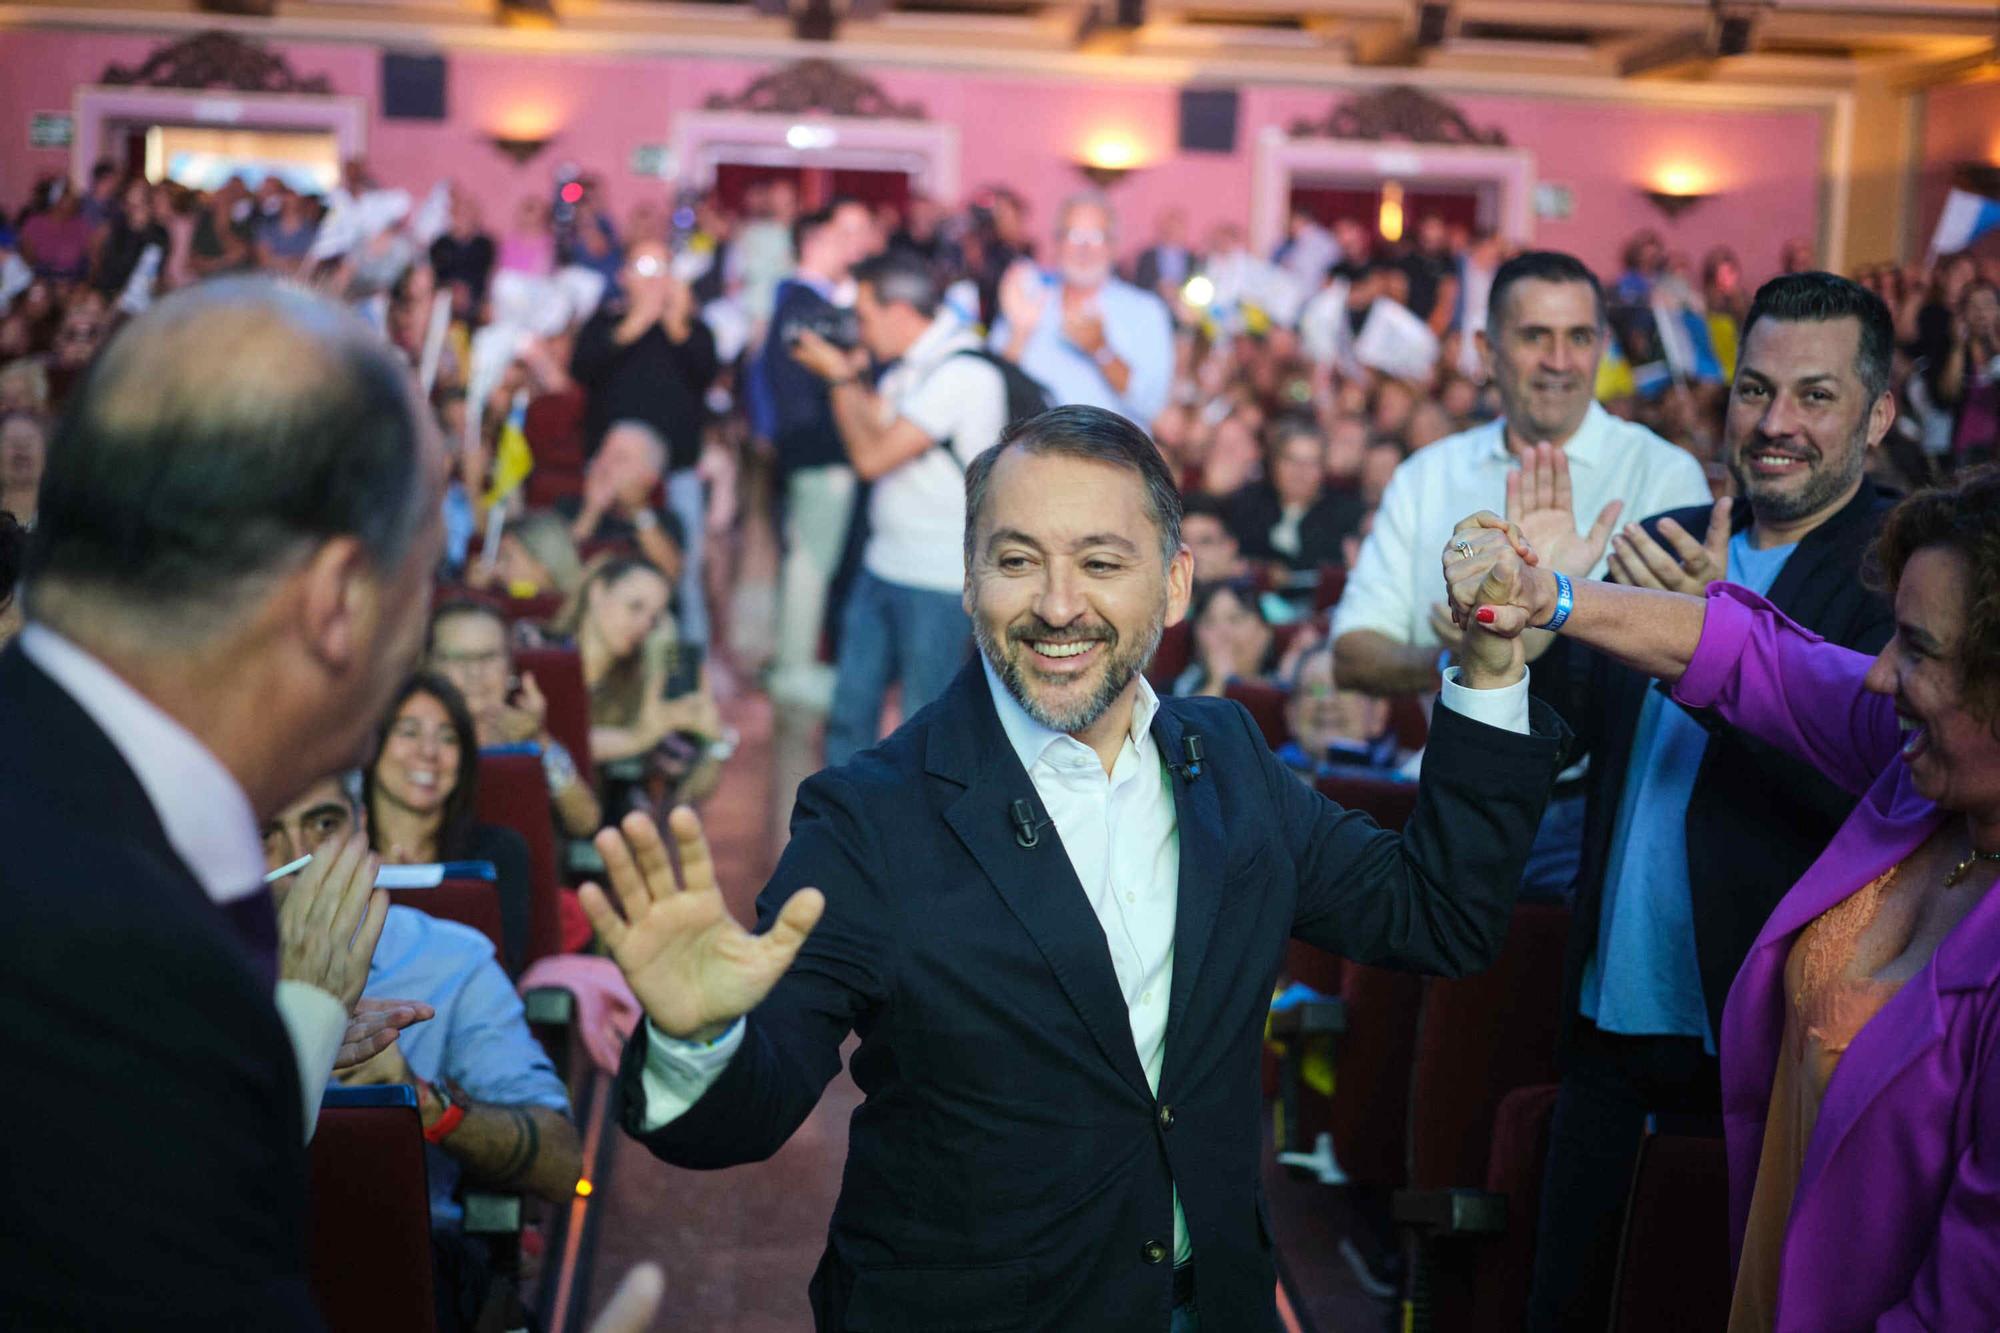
x=1082, y=432
x=1817, y=298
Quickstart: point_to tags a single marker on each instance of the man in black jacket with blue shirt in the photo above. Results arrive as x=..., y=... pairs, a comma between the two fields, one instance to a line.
x=1052, y=905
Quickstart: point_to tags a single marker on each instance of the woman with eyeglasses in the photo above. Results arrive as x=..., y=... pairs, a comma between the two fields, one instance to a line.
x=421, y=792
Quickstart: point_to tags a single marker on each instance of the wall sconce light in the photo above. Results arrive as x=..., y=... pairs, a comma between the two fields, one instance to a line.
x=526, y=13
x=1389, y=217
x=1678, y=188
x=520, y=147
x=1109, y=158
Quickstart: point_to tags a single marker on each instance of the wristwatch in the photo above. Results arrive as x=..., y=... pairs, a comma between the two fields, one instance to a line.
x=645, y=520
x=557, y=766
x=1105, y=356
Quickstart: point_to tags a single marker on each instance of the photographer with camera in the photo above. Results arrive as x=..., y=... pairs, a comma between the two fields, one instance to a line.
x=646, y=356
x=818, y=483
x=944, y=402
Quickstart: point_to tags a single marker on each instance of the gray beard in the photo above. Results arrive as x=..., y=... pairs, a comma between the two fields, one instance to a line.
x=1119, y=669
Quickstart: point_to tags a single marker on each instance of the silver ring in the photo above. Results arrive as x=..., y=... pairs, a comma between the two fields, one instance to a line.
x=1463, y=547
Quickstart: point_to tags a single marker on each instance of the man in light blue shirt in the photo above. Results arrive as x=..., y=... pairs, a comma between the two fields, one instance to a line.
x=1644, y=976
x=1088, y=337
x=493, y=1108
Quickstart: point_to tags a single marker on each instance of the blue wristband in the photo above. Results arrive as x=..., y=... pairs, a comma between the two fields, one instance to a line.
x=1564, y=600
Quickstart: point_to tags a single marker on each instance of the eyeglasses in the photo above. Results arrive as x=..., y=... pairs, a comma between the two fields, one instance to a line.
x=1085, y=236
x=409, y=729
x=486, y=661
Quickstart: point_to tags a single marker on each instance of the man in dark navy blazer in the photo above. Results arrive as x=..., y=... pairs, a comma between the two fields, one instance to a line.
x=1052, y=906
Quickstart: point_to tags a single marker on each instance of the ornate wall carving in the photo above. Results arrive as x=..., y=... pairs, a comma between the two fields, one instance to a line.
x=1400, y=112
x=220, y=61
x=824, y=86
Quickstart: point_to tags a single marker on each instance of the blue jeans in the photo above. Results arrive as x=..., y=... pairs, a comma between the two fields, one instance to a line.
x=890, y=632
x=1185, y=1319
x=688, y=498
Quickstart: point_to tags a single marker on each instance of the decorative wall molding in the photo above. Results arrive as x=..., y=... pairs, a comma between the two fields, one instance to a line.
x=824, y=86
x=1400, y=112
x=215, y=60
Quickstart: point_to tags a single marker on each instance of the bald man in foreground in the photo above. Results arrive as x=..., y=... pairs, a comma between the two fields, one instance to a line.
x=229, y=576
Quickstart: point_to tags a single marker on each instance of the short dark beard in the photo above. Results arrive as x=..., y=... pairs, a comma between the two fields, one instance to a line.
x=1119, y=668
x=1823, y=487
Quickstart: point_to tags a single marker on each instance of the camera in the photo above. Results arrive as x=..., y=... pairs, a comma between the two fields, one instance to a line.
x=837, y=326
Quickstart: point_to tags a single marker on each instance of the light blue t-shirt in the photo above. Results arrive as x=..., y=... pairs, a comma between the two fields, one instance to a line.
x=1139, y=329
x=1644, y=979
x=479, y=1039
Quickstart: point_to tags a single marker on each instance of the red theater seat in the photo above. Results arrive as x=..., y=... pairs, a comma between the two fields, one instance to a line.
x=370, y=1258
x=1171, y=658
x=1266, y=704
x=514, y=793
x=1332, y=582
x=1673, y=1265
x=1480, y=1038
x=1384, y=800
x=558, y=674
x=470, y=902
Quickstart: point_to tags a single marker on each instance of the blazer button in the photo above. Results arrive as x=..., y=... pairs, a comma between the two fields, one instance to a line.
x=1153, y=1252
x=1166, y=1116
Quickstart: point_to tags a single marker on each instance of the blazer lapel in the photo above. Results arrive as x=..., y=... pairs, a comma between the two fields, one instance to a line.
x=1038, y=884
x=1198, y=821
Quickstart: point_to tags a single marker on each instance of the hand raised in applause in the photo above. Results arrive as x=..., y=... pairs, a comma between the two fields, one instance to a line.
x=1540, y=503
x=1638, y=560
x=330, y=919
x=692, y=965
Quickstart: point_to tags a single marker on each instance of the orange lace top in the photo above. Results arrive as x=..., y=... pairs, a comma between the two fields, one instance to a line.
x=1831, y=981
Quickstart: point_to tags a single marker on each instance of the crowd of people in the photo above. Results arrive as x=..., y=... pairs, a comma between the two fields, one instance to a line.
x=626, y=411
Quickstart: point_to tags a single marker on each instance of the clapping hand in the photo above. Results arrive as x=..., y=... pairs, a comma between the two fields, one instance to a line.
x=1642, y=562
x=1023, y=297
x=524, y=720
x=693, y=967
x=1540, y=504
x=330, y=920
x=372, y=1029
x=1084, y=330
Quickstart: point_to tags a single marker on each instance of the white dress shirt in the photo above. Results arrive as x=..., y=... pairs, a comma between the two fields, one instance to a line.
x=916, y=511
x=1396, y=579
x=1138, y=329
x=1121, y=832
x=208, y=822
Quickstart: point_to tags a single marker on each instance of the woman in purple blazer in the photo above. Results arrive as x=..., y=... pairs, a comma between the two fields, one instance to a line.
x=1861, y=1041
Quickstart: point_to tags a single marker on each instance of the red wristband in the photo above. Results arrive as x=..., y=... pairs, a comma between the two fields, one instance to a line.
x=441, y=1129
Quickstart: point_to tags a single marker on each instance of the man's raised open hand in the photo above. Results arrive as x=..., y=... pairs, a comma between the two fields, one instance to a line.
x=692, y=965
x=1540, y=501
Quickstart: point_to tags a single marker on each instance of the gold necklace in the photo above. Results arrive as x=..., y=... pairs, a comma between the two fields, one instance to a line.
x=1959, y=871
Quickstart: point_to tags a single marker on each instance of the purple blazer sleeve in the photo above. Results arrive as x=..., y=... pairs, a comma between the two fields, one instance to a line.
x=1790, y=688
x=1958, y=1285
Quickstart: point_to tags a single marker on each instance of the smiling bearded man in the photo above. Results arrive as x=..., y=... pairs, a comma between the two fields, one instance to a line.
x=1052, y=904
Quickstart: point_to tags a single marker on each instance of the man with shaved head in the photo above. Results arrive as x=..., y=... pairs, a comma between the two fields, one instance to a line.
x=227, y=578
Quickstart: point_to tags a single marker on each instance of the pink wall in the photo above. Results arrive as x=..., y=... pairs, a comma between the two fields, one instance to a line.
x=1022, y=130
x=1961, y=124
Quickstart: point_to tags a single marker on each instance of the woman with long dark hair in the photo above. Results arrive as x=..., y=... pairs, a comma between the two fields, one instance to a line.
x=421, y=792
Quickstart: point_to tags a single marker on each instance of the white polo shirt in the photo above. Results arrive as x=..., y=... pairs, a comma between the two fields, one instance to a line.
x=1400, y=572
x=916, y=514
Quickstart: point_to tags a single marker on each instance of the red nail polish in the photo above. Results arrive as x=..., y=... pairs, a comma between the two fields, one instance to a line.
x=1485, y=615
